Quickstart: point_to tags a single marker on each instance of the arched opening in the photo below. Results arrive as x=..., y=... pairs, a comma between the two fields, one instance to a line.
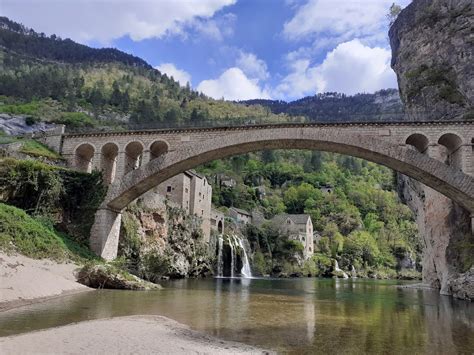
x=133, y=156
x=418, y=141
x=451, y=154
x=448, y=181
x=410, y=163
x=220, y=228
x=158, y=148
x=83, y=157
x=108, y=162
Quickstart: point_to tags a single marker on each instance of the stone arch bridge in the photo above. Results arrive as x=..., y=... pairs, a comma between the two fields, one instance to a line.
x=438, y=154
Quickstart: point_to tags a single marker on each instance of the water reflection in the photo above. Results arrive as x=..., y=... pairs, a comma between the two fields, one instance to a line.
x=300, y=315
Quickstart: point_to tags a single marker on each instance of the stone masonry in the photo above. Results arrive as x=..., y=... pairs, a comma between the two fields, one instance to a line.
x=405, y=147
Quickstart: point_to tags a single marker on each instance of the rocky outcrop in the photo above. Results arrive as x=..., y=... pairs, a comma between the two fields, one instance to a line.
x=161, y=241
x=19, y=125
x=432, y=55
x=107, y=276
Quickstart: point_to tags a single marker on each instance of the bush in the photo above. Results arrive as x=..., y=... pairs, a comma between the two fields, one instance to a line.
x=42, y=189
x=36, y=239
x=76, y=120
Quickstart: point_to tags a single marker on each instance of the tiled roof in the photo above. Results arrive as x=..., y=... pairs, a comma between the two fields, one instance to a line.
x=238, y=210
x=296, y=218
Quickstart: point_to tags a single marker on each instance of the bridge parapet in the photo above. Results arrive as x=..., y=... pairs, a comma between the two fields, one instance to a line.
x=117, y=153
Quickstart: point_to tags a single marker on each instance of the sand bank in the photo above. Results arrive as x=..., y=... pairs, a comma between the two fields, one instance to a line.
x=122, y=335
x=23, y=280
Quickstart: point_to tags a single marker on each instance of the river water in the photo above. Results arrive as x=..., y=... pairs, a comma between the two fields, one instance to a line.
x=288, y=315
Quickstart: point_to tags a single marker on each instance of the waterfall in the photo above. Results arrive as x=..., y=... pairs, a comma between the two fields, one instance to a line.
x=235, y=243
x=246, y=271
x=220, y=258
x=337, y=269
x=232, y=255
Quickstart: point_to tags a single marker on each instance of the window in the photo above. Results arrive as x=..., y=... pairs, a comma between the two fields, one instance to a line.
x=202, y=212
x=186, y=190
x=168, y=189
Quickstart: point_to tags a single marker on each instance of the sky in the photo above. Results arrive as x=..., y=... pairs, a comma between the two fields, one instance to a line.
x=234, y=49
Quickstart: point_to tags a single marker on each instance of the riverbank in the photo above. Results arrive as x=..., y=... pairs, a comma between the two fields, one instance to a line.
x=24, y=280
x=125, y=335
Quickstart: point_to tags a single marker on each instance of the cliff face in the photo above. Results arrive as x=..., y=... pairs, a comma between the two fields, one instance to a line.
x=432, y=55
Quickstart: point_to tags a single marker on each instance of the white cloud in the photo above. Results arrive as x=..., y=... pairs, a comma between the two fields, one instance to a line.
x=105, y=20
x=252, y=66
x=179, y=75
x=233, y=84
x=350, y=68
x=336, y=17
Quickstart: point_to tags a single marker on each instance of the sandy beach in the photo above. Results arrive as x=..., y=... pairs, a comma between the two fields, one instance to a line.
x=122, y=335
x=24, y=280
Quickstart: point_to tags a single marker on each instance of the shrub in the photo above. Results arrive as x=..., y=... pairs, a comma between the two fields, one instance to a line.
x=32, y=237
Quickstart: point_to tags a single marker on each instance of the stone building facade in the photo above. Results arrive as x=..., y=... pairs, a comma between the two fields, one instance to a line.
x=298, y=227
x=240, y=216
x=217, y=221
x=191, y=192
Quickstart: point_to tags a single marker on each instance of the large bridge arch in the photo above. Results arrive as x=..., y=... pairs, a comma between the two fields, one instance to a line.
x=449, y=181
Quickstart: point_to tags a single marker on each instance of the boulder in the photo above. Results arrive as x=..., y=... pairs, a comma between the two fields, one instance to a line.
x=107, y=276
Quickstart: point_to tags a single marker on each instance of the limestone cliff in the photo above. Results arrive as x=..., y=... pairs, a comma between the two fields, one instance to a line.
x=432, y=55
x=158, y=241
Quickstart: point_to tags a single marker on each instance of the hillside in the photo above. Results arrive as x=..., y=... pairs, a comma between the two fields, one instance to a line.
x=384, y=105
x=58, y=80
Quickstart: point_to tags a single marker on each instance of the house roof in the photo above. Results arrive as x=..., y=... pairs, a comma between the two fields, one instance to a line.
x=238, y=210
x=296, y=218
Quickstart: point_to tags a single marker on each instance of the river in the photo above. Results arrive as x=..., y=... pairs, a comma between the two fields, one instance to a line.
x=289, y=315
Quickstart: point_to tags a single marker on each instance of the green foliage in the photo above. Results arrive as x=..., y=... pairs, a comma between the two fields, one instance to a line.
x=361, y=222
x=76, y=120
x=441, y=77
x=36, y=238
x=360, y=248
x=37, y=149
x=42, y=189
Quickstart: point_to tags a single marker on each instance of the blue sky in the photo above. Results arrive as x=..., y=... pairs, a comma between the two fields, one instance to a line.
x=236, y=49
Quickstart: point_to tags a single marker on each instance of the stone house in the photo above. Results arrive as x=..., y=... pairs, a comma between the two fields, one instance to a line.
x=240, y=216
x=298, y=227
x=191, y=192
x=217, y=221
x=226, y=181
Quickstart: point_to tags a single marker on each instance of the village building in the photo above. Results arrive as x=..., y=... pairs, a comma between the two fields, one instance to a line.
x=191, y=192
x=217, y=221
x=298, y=227
x=240, y=216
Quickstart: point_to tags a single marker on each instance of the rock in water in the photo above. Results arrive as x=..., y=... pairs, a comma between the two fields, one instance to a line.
x=106, y=276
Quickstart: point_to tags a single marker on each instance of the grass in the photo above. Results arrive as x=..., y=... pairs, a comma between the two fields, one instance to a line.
x=35, y=238
x=37, y=149
x=30, y=147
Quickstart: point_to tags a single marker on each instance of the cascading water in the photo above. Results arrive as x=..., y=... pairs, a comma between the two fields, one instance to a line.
x=220, y=258
x=234, y=243
x=232, y=255
x=246, y=271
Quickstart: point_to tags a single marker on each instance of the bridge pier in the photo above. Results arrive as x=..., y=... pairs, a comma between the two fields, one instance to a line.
x=104, y=235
